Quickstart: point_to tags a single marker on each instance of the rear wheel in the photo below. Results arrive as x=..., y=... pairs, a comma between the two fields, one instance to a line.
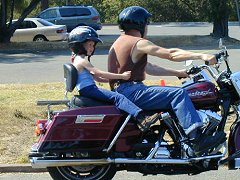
x=85, y=172
x=39, y=38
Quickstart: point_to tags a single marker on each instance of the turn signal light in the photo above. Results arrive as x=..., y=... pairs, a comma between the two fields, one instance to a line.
x=95, y=18
x=60, y=31
x=41, y=126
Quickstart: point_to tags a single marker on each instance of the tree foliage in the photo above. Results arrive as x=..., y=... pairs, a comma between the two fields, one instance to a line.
x=216, y=11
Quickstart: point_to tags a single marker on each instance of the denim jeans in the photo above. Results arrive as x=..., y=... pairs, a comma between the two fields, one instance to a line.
x=120, y=101
x=163, y=98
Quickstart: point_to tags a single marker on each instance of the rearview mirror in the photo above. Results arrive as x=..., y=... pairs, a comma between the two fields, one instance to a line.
x=188, y=63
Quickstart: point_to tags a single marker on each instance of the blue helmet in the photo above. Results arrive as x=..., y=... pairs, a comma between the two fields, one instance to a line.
x=134, y=17
x=81, y=34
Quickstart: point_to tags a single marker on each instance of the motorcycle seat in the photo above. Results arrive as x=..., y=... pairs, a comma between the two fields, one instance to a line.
x=81, y=101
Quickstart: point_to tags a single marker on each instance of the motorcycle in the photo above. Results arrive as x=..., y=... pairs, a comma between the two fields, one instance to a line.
x=93, y=140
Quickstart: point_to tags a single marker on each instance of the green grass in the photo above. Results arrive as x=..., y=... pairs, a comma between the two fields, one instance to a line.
x=19, y=113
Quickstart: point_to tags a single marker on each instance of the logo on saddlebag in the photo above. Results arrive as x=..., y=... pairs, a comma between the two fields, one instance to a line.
x=89, y=119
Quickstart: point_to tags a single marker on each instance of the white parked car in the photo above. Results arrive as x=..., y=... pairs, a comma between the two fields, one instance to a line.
x=37, y=29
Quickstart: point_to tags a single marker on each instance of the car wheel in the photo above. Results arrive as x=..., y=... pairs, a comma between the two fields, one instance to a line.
x=40, y=38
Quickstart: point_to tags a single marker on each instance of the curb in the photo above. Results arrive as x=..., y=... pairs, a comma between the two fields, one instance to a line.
x=26, y=168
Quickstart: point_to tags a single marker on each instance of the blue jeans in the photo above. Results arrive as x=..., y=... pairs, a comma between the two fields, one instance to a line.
x=119, y=100
x=164, y=98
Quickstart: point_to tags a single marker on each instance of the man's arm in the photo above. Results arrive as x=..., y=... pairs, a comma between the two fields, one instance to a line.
x=155, y=70
x=172, y=54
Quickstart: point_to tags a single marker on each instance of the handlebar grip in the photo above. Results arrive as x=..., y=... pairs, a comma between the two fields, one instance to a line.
x=188, y=72
x=220, y=54
x=207, y=63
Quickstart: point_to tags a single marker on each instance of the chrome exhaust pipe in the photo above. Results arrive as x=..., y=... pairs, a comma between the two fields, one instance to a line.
x=37, y=162
x=43, y=163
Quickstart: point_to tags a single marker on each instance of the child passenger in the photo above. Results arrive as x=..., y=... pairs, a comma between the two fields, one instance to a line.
x=82, y=42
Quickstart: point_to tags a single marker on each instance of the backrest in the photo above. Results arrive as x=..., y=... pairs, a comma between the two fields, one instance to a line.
x=70, y=76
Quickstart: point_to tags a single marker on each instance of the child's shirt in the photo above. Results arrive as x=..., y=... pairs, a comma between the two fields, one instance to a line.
x=85, y=78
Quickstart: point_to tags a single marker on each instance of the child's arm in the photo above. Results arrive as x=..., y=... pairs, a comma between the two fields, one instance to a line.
x=99, y=79
x=97, y=73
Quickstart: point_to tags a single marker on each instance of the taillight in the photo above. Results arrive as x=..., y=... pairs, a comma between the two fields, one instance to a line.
x=95, y=18
x=60, y=31
x=41, y=126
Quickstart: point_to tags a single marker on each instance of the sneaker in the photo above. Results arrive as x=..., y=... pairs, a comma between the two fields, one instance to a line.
x=205, y=142
x=145, y=121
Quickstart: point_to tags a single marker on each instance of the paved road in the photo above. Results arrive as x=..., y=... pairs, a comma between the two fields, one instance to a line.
x=46, y=66
x=222, y=174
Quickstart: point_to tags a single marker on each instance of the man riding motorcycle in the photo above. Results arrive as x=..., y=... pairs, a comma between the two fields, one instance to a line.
x=129, y=53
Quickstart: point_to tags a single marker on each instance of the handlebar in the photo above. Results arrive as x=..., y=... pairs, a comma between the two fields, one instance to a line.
x=221, y=55
x=197, y=69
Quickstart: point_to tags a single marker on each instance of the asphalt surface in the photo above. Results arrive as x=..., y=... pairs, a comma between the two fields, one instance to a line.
x=183, y=31
x=42, y=62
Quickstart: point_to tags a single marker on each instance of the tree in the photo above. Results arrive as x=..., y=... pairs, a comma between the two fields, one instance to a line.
x=219, y=14
x=7, y=10
x=44, y=4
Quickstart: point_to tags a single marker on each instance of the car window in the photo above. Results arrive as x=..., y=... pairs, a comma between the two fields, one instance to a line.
x=68, y=12
x=51, y=13
x=45, y=23
x=27, y=24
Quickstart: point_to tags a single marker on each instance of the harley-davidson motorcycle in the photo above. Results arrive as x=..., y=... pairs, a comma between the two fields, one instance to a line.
x=93, y=140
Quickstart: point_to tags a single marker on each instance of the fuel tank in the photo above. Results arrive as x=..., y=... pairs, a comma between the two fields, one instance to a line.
x=204, y=94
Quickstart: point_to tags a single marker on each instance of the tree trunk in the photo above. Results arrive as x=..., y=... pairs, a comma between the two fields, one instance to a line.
x=220, y=18
x=220, y=28
x=44, y=4
x=6, y=32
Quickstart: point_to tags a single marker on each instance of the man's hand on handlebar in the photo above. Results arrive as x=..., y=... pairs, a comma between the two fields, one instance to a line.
x=210, y=59
x=182, y=74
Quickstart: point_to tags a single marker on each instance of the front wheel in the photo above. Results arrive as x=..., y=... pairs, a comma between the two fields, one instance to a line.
x=85, y=172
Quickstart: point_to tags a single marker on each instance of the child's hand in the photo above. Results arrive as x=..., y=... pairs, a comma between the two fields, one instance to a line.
x=126, y=75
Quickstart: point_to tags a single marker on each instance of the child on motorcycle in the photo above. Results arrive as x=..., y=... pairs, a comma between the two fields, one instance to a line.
x=82, y=42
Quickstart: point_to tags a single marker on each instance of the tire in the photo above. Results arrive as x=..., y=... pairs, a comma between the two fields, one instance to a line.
x=90, y=172
x=39, y=38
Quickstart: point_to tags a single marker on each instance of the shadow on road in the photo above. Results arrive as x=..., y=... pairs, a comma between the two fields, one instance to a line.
x=11, y=57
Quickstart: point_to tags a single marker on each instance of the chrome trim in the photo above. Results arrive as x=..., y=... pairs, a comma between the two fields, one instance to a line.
x=235, y=78
x=153, y=151
x=118, y=133
x=81, y=118
x=237, y=163
x=43, y=163
x=222, y=147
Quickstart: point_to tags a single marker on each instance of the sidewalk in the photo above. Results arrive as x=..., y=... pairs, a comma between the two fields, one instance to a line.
x=27, y=168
